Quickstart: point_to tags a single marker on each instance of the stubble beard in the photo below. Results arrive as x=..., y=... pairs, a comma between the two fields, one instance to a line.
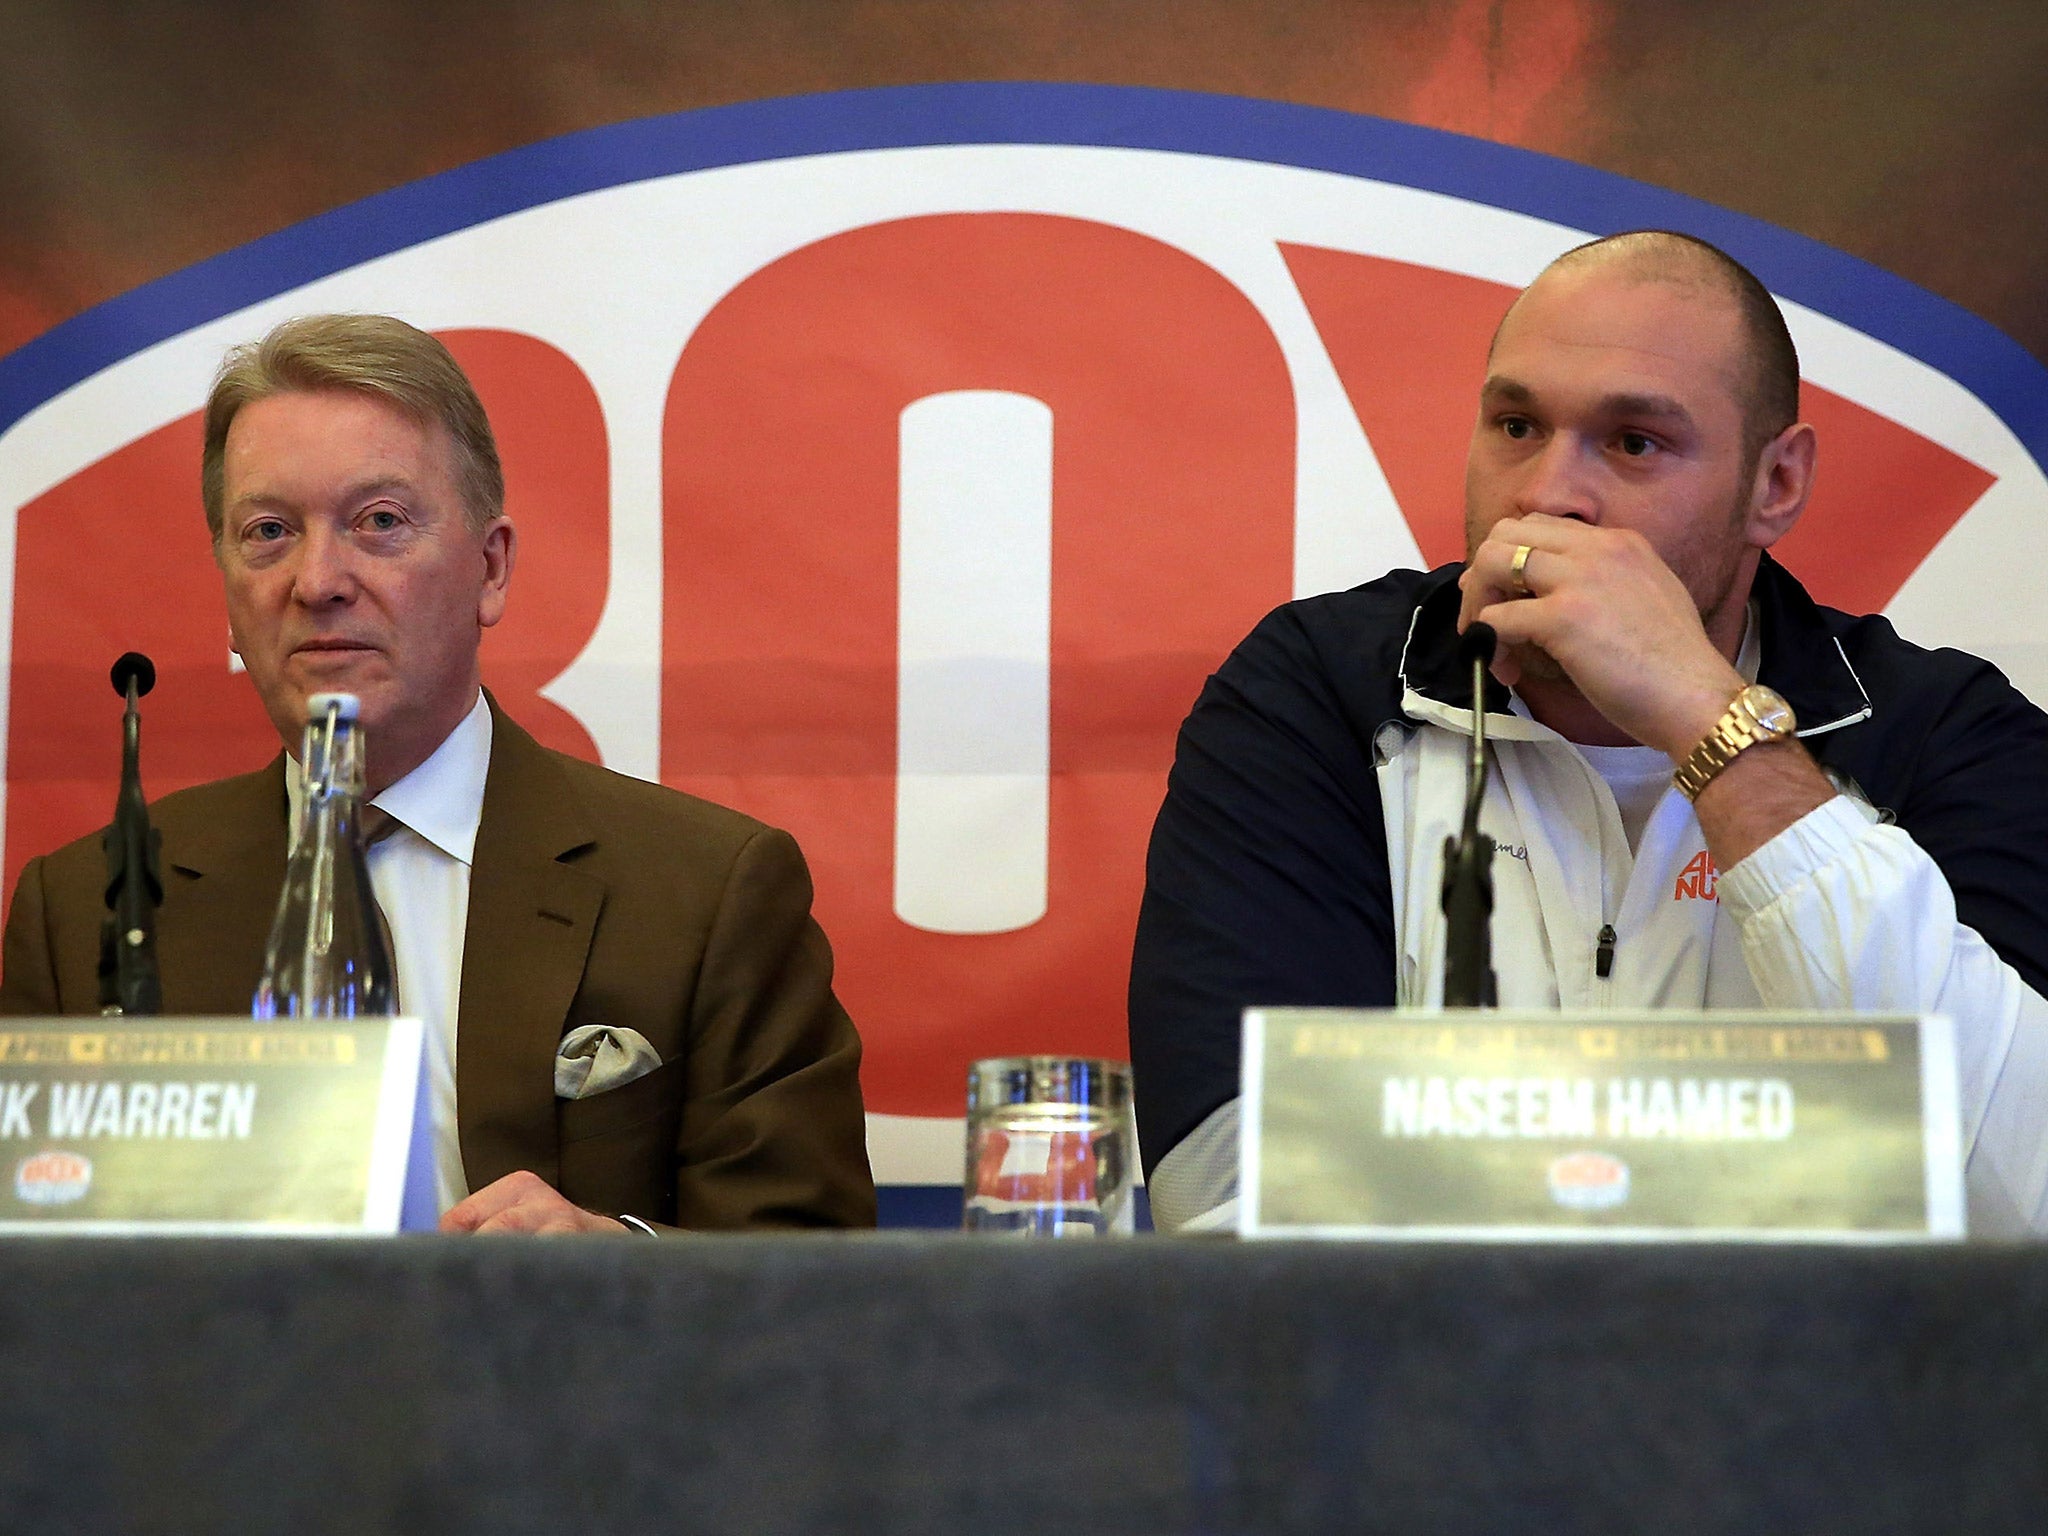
x=1539, y=666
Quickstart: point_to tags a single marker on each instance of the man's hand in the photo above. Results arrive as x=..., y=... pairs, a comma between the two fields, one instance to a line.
x=524, y=1202
x=1613, y=616
x=1628, y=634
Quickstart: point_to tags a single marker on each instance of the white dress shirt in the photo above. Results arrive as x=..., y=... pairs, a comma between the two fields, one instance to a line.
x=420, y=873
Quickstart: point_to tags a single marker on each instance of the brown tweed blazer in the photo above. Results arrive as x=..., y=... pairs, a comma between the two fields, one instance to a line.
x=594, y=899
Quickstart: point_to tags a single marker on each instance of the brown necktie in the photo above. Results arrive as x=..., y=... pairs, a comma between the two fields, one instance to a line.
x=376, y=824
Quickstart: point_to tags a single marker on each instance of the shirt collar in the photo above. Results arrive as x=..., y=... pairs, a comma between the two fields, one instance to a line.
x=1801, y=656
x=443, y=799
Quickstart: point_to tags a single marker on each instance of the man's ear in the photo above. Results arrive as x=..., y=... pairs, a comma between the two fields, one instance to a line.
x=1781, y=484
x=500, y=549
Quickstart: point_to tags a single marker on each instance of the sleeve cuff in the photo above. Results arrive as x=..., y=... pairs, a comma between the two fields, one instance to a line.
x=1825, y=835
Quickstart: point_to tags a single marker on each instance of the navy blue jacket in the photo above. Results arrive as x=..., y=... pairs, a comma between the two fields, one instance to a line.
x=1267, y=879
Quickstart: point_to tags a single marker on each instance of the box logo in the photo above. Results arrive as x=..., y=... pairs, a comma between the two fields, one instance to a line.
x=895, y=466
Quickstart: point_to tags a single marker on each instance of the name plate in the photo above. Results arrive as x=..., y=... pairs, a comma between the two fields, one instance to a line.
x=205, y=1125
x=1643, y=1126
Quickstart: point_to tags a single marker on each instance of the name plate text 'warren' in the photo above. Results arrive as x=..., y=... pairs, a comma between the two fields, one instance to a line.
x=205, y=1125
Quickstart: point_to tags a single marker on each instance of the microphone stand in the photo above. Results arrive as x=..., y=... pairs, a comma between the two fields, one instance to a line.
x=129, y=981
x=1469, y=980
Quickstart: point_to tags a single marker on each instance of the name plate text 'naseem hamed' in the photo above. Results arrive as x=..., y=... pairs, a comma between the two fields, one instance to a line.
x=1625, y=1125
x=205, y=1124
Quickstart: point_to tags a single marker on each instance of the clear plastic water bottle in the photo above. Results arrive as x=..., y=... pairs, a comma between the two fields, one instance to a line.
x=328, y=956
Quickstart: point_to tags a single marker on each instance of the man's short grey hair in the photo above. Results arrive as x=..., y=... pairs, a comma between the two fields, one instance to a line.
x=372, y=355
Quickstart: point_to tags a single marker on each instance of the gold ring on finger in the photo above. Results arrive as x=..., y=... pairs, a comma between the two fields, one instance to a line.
x=1518, y=570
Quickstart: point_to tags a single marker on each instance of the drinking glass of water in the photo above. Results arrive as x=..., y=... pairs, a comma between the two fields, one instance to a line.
x=1051, y=1147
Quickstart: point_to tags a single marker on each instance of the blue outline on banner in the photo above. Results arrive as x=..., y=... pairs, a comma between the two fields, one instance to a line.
x=1977, y=355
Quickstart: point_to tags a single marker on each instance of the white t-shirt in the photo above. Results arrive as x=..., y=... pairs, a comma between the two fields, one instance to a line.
x=1637, y=777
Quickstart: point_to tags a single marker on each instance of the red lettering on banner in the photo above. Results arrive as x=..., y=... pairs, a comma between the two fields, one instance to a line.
x=1173, y=506
x=551, y=437
x=116, y=558
x=1883, y=497
x=1409, y=344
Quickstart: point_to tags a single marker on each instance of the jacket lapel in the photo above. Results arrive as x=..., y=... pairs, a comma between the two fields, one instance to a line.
x=223, y=861
x=531, y=916
x=1802, y=659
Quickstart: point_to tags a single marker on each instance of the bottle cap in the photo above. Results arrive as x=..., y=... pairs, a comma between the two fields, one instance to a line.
x=342, y=706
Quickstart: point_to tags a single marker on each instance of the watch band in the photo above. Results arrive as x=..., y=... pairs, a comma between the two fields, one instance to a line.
x=1753, y=716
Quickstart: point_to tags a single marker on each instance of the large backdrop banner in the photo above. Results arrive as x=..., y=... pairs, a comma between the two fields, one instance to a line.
x=895, y=464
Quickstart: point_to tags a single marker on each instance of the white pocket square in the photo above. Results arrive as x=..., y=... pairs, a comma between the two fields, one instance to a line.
x=600, y=1057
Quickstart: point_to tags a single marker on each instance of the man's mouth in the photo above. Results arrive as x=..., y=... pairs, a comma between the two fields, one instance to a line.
x=332, y=648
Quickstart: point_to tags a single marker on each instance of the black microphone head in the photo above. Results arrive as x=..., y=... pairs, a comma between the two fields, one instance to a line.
x=1477, y=644
x=136, y=668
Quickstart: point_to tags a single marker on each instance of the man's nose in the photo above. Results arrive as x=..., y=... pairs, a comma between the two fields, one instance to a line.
x=1558, y=481
x=326, y=568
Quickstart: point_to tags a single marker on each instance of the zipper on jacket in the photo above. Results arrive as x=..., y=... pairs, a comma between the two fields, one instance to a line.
x=1603, y=953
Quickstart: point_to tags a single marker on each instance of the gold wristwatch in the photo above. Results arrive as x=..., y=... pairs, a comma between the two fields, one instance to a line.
x=1758, y=714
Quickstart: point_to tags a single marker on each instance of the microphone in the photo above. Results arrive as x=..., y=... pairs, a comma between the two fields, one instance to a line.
x=1475, y=651
x=1469, y=980
x=135, y=669
x=129, y=981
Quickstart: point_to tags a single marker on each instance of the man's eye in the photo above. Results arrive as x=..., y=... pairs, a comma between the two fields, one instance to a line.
x=381, y=519
x=1636, y=445
x=268, y=531
x=1517, y=427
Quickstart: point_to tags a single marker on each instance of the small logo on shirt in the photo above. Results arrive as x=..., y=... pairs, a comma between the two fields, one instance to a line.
x=1699, y=880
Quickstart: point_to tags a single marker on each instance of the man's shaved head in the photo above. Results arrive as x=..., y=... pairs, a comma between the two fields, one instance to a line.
x=1770, y=388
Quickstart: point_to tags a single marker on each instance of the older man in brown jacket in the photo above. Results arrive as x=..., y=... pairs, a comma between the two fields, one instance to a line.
x=355, y=497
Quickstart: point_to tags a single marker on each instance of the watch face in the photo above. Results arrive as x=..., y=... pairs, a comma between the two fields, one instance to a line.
x=1773, y=715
